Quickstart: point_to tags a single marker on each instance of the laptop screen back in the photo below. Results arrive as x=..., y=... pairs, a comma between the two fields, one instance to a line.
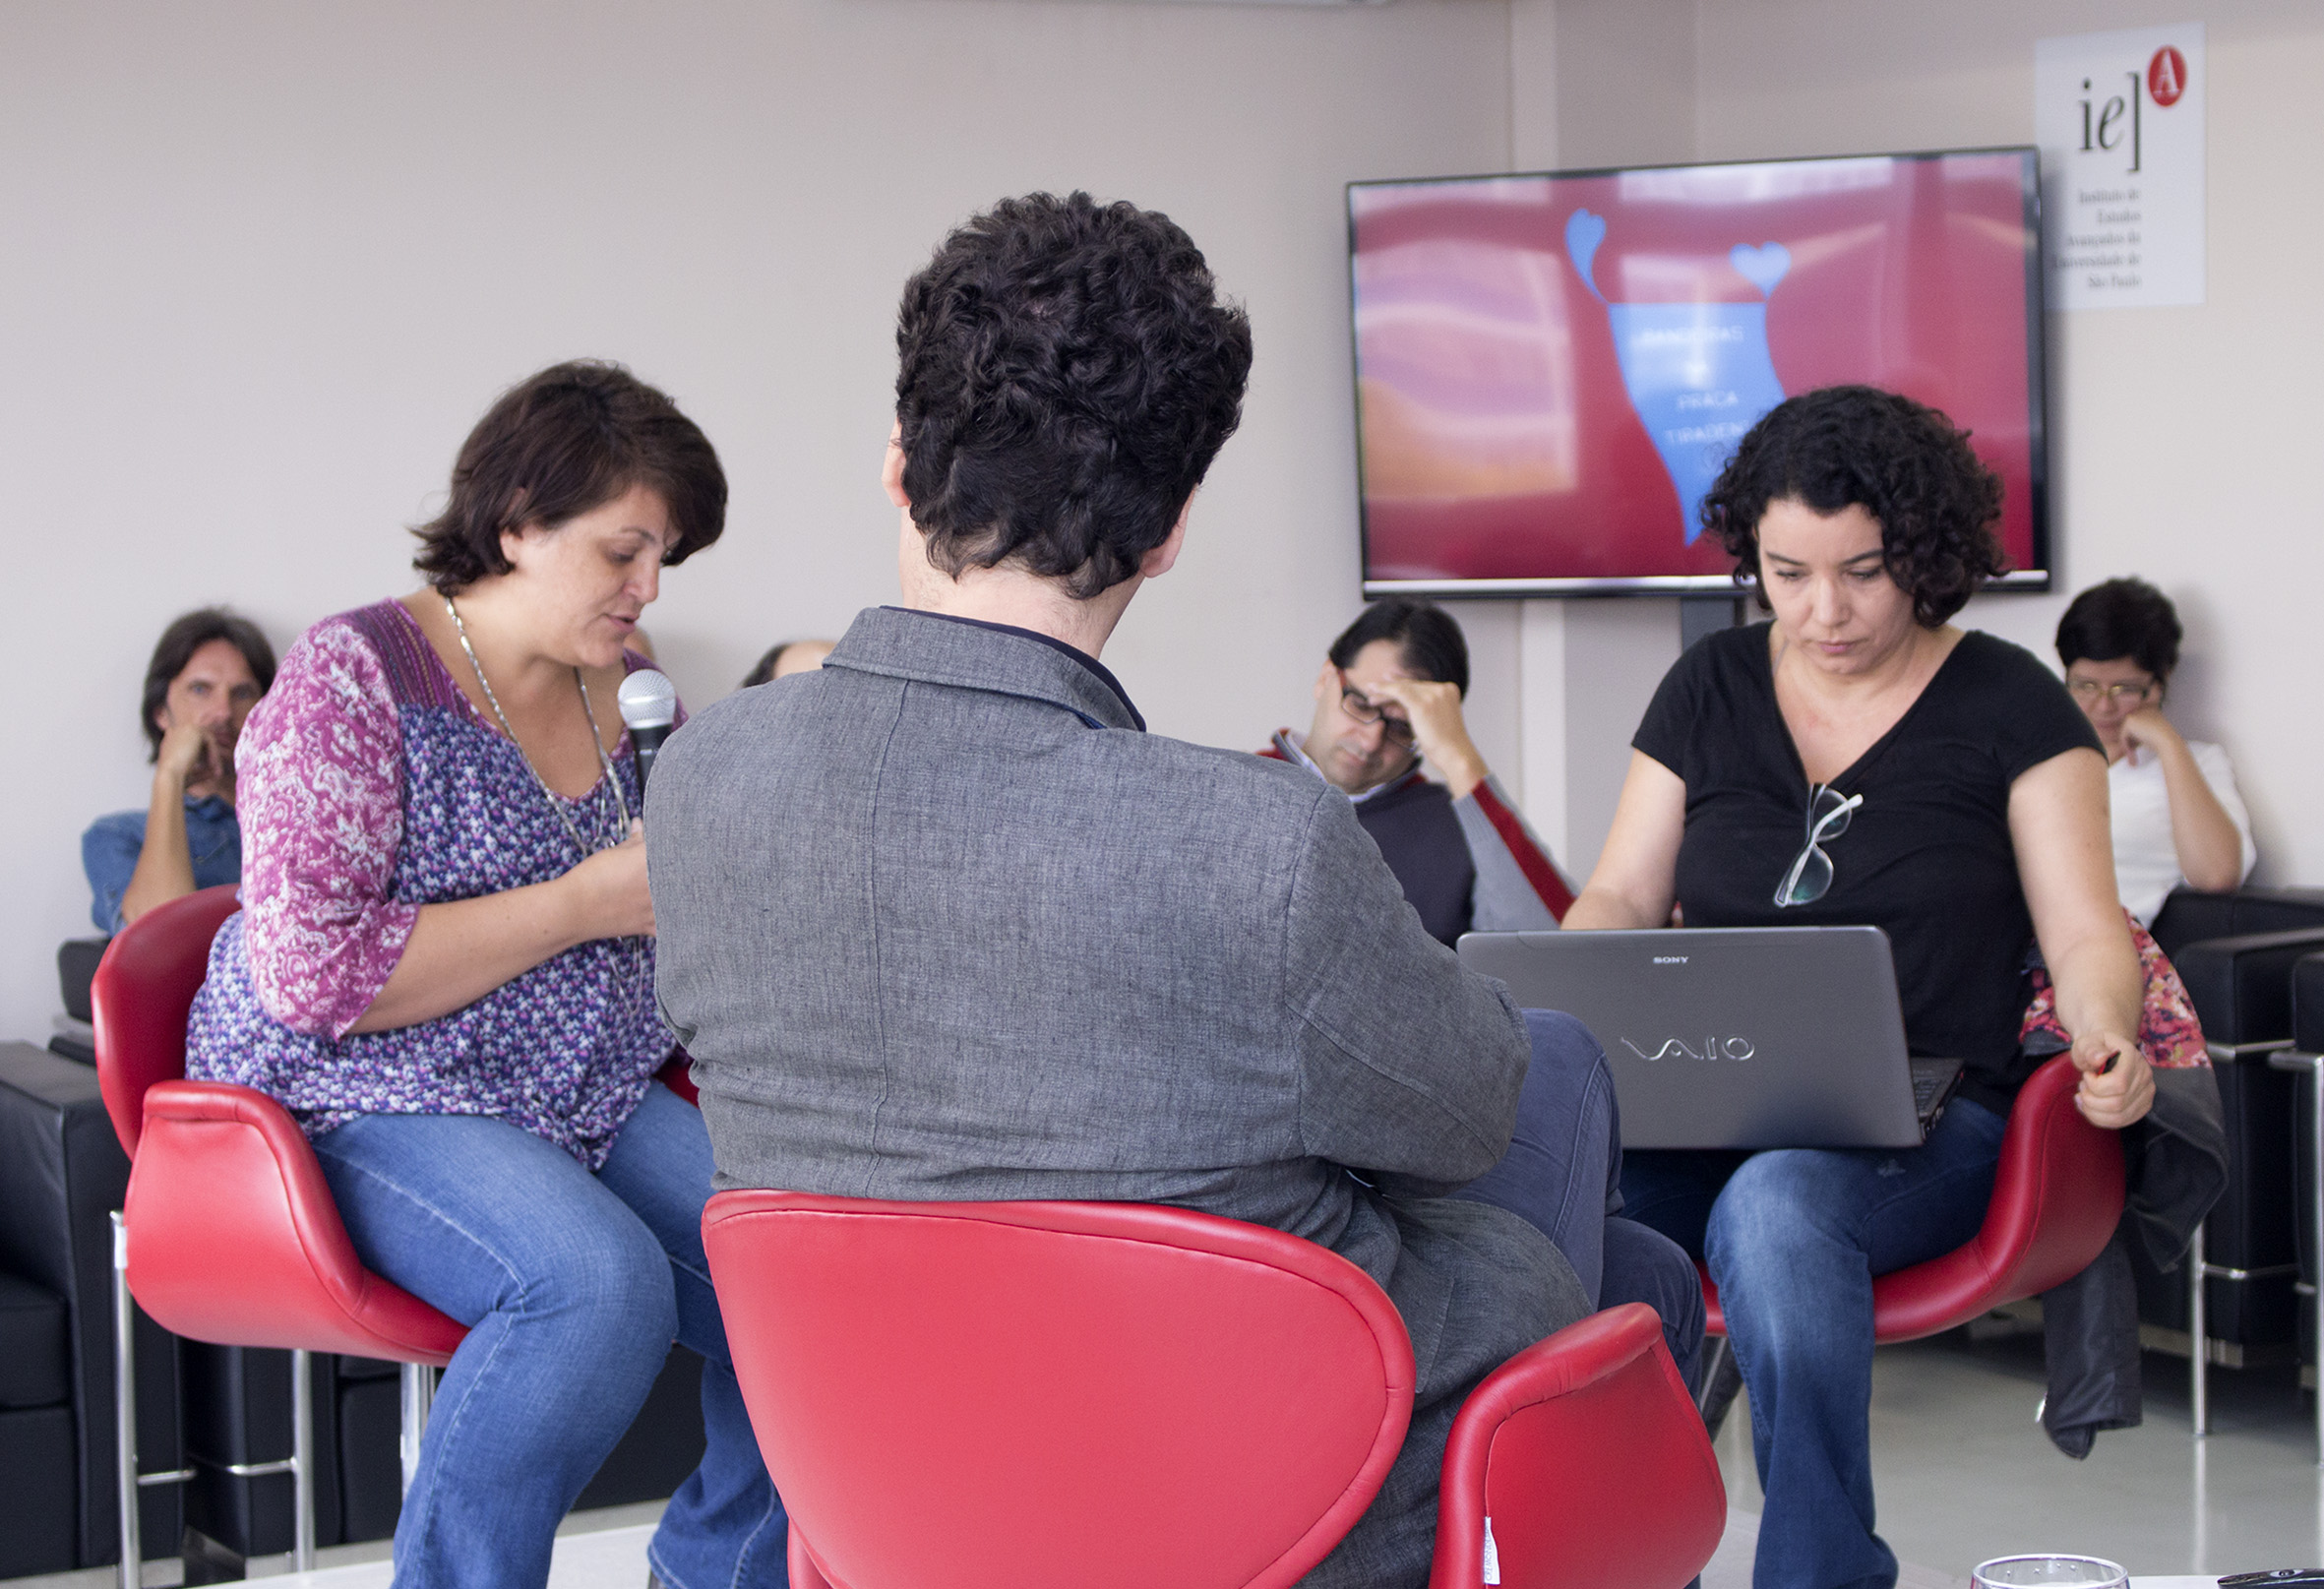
x=1729, y=1037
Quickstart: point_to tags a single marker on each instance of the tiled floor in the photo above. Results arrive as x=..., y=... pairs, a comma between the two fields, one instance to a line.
x=1962, y=1471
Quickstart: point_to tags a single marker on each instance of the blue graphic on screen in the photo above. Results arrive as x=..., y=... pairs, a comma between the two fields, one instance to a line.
x=1698, y=374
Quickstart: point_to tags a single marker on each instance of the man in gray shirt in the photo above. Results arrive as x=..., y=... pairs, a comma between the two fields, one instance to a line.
x=941, y=921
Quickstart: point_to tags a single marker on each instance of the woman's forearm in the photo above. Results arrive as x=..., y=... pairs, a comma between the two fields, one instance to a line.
x=2210, y=849
x=2065, y=861
x=460, y=952
x=2099, y=988
x=165, y=863
x=1596, y=909
x=1635, y=878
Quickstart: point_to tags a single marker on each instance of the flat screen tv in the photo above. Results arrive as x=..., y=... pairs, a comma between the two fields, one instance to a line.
x=1551, y=370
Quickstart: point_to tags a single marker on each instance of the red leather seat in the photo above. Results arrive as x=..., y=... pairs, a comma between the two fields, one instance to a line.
x=230, y=1231
x=233, y=1236
x=2057, y=1195
x=1030, y=1395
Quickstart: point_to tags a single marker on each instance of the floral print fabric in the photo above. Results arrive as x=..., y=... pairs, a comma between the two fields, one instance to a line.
x=370, y=788
x=2168, y=1034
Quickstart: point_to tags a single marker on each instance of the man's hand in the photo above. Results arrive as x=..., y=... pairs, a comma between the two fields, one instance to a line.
x=1437, y=729
x=187, y=756
x=2118, y=1086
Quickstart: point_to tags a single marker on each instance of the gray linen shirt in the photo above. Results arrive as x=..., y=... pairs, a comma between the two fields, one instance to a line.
x=939, y=922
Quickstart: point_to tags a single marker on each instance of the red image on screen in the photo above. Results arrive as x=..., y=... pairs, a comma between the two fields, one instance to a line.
x=1551, y=370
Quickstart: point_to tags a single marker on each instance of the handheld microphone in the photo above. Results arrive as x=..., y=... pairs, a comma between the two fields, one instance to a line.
x=649, y=709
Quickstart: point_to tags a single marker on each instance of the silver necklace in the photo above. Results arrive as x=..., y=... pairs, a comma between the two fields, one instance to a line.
x=596, y=743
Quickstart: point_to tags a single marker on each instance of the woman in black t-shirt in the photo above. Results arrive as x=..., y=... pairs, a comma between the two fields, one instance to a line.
x=1859, y=759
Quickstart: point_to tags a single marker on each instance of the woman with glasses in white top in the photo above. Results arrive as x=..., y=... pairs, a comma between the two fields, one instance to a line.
x=2176, y=815
x=1859, y=759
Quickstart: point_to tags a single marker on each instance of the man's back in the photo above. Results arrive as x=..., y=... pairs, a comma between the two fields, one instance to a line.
x=938, y=922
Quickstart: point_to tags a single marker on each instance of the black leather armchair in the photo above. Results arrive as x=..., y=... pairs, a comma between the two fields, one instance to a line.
x=2306, y=1055
x=2236, y=952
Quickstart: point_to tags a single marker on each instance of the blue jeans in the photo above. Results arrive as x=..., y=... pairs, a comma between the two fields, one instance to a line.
x=1794, y=1238
x=1561, y=1174
x=573, y=1286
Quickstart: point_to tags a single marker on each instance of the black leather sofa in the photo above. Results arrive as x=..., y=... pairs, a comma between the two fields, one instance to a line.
x=36, y=1434
x=62, y=1174
x=237, y=1410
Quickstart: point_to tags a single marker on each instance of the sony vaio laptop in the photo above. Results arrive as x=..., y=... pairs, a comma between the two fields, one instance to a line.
x=1736, y=1037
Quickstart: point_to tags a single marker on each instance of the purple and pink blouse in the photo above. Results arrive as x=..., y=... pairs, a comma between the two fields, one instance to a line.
x=370, y=786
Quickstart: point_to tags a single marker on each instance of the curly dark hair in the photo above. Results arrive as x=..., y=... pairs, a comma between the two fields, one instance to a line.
x=1067, y=373
x=1900, y=460
x=186, y=634
x=569, y=439
x=2121, y=618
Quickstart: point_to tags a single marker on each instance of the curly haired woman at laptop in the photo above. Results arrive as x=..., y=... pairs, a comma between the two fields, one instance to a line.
x=1860, y=759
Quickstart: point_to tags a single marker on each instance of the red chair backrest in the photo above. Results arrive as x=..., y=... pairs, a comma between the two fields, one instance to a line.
x=1032, y=1394
x=2058, y=1196
x=139, y=999
x=1586, y=1452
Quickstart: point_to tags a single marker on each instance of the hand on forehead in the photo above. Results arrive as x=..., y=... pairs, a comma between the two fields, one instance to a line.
x=1378, y=663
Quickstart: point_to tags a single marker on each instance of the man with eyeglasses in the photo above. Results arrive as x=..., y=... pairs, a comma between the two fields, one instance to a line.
x=1387, y=700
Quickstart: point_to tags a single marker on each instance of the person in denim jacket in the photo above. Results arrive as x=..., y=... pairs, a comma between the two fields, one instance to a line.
x=208, y=669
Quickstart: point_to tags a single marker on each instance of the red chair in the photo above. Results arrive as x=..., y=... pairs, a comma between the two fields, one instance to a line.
x=1031, y=1394
x=228, y=1233
x=2058, y=1196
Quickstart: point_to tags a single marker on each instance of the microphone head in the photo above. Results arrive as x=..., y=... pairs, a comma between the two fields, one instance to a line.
x=648, y=700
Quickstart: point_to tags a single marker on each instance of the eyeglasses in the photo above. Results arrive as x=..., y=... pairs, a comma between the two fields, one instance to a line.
x=1810, y=876
x=1395, y=730
x=2089, y=689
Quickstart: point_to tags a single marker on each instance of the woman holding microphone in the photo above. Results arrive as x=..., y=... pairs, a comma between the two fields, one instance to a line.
x=444, y=969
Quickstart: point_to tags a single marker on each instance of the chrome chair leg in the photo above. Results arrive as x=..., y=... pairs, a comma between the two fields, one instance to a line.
x=2313, y=1064
x=125, y=1408
x=2315, y=1069
x=128, y=1481
x=2198, y=1336
x=420, y=1395
x=299, y=1465
x=302, y=1462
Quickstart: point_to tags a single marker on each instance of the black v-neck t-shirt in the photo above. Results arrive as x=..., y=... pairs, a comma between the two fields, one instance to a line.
x=1926, y=858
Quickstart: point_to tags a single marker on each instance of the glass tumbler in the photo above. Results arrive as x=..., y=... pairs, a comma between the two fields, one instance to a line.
x=2049, y=1572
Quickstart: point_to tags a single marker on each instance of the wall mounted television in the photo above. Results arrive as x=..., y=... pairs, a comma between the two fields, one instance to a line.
x=1552, y=369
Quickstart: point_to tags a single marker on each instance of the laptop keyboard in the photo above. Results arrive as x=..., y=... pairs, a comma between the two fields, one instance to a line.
x=1933, y=1086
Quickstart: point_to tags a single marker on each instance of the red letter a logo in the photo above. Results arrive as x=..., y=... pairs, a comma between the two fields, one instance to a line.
x=2166, y=77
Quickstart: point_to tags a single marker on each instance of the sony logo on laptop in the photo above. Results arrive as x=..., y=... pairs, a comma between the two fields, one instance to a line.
x=1669, y=959
x=1713, y=1047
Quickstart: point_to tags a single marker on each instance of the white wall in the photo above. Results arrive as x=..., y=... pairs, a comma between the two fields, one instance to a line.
x=264, y=263
x=2183, y=441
